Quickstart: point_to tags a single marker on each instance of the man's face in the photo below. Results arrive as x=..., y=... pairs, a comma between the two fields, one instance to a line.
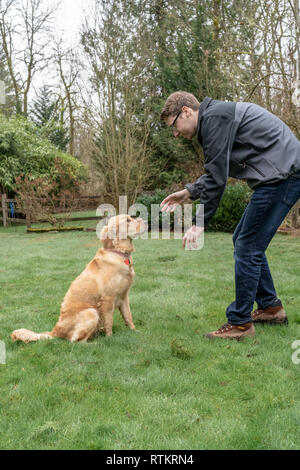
x=186, y=123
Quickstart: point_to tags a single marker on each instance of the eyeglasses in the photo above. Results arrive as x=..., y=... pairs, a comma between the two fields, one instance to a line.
x=173, y=123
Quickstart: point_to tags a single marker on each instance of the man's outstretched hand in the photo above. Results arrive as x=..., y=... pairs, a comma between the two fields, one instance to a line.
x=170, y=203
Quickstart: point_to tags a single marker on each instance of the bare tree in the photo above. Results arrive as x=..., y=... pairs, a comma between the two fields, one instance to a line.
x=7, y=31
x=23, y=36
x=68, y=67
x=116, y=46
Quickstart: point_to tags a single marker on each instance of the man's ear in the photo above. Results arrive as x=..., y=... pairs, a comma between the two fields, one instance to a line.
x=186, y=110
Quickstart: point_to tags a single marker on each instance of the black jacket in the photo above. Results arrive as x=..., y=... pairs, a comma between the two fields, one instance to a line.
x=245, y=141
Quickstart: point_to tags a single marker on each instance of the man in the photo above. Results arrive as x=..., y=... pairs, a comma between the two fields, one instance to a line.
x=244, y=141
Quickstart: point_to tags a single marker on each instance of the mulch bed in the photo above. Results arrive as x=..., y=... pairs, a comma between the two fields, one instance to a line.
x=294, y=232
x=53, y=229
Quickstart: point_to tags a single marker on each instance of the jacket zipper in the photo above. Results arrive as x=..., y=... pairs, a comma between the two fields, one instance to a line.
x=254, y=168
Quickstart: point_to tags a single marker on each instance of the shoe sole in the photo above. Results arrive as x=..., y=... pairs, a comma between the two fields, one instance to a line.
x=284, y=322
x=237, y=338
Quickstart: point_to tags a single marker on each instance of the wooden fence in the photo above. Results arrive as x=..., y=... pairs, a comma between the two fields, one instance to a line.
x=5, y=214
x=7, y=220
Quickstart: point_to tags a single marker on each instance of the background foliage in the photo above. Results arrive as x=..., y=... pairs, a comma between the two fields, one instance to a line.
x=24, y=150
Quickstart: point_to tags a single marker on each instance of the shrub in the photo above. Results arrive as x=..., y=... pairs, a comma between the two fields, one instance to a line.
x=234, y=201
x=151, y=198
x=167, y=178
x=24, y=151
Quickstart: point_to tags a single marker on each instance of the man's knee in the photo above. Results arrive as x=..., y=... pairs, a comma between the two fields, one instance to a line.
x=247, y=248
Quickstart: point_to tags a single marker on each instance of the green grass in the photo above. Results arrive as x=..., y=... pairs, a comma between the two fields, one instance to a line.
x=163, y=387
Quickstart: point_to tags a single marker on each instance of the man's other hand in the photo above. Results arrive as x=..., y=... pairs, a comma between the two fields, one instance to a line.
x=190, y=239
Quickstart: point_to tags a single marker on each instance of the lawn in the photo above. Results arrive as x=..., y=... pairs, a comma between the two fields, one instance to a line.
x=131, y=390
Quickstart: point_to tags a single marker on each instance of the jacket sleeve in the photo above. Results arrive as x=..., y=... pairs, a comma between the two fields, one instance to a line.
x=216, y=138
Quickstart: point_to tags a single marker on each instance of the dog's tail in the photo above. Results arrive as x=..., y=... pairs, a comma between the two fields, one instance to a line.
x=27, y=336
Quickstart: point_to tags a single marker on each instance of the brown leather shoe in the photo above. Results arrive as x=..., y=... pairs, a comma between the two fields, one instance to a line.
x=228, y=331
x=273, y=315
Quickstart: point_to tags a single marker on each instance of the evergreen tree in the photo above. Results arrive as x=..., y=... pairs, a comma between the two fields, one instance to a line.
x=44, y=112
x=44, y=108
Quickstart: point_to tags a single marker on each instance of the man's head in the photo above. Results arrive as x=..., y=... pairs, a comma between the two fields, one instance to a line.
x=181, y=113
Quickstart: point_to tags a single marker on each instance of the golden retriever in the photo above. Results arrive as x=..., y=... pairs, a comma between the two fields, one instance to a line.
x=102, y=286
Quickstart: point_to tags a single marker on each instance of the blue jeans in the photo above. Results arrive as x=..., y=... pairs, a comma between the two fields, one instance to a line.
x=265, y=212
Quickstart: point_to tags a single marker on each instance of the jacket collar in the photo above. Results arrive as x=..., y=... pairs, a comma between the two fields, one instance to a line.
x=205, y=103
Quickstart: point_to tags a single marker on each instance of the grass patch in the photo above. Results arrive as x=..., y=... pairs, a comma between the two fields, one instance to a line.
x=179, y=349
x=134, y=390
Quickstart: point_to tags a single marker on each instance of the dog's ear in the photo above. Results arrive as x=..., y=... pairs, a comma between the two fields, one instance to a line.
x=106, y=241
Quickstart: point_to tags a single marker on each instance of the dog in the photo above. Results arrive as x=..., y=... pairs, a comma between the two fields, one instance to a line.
x=89, y=304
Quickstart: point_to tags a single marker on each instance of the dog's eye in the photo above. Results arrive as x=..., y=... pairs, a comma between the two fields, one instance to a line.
x=128, y=220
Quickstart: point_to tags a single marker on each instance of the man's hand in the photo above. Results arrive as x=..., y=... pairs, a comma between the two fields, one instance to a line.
x=190, y=239
x=170, y=203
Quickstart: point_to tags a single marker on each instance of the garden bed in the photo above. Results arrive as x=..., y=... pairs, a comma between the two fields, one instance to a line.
x=295, y=232
x=53, y=229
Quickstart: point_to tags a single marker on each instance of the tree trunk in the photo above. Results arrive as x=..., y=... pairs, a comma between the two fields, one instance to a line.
x=4, y=210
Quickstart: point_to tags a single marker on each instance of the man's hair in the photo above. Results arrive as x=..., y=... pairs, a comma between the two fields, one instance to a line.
x=176, y=101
